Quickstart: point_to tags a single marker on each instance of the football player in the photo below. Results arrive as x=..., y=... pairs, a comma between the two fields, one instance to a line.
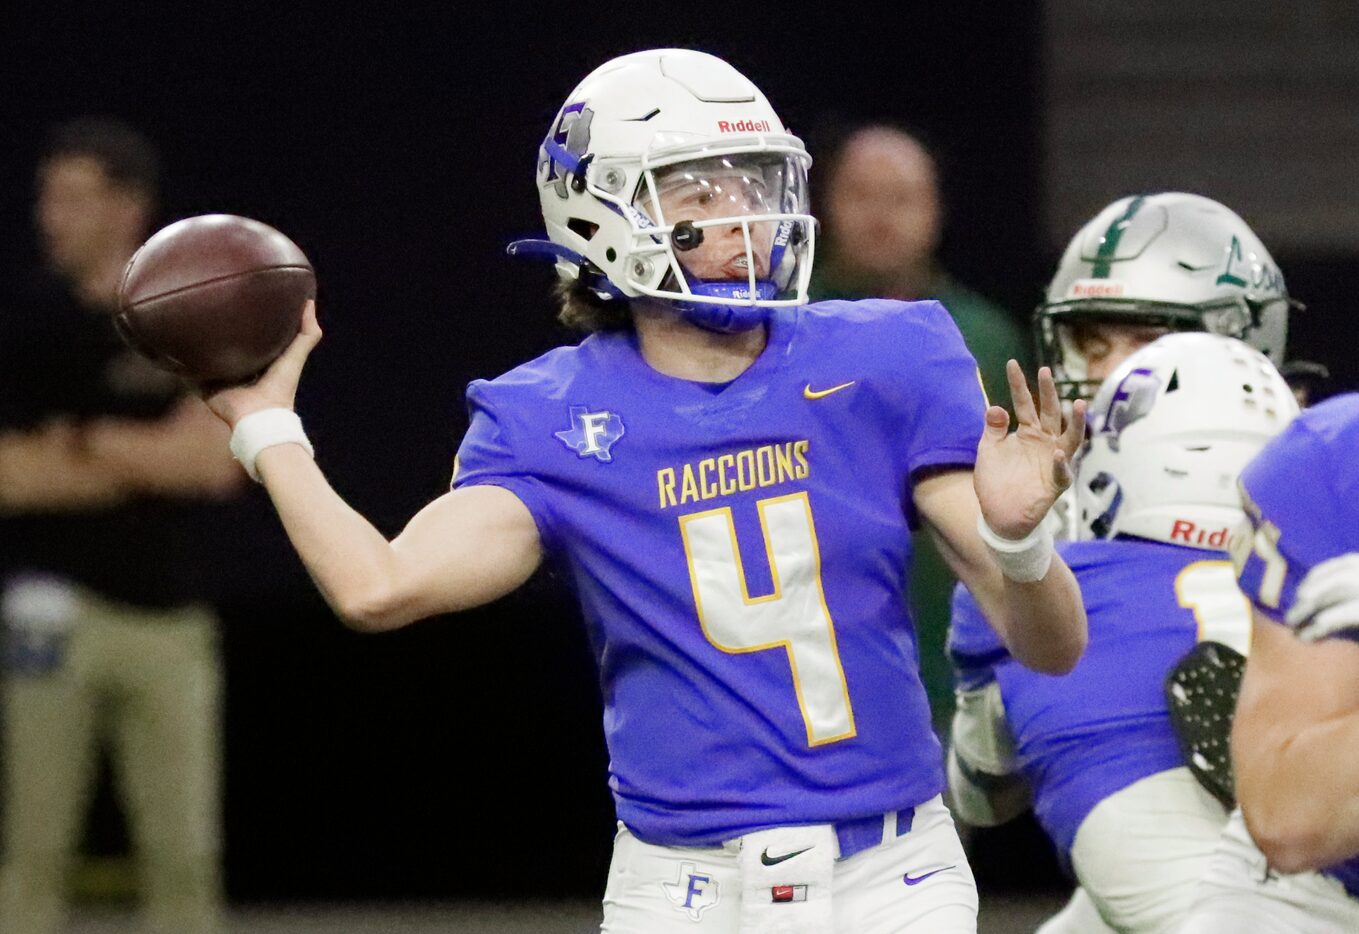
x=1296, y=730
x=1170, y=431
x=729, y=477
x=1148, y=265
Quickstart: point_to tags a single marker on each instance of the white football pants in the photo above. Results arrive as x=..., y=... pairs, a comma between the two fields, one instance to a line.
x=1239, y=893
x=917, y=882
x=1140, y=855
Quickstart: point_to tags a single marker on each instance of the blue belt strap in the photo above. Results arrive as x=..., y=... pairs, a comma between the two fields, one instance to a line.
x=864, y=833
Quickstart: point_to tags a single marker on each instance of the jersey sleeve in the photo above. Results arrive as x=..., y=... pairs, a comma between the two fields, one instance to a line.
x=947, y=403
x=1299, y=496
x=973, y=646
x=487, y=457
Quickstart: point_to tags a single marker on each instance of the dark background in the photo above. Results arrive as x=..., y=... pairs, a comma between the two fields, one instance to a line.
x=464, y=756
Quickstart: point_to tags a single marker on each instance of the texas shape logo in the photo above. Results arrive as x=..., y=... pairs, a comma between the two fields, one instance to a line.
x=592, y=434
x=695, y=891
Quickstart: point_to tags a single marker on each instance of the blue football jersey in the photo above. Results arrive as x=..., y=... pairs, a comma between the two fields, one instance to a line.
x=741, y=555
x=1301, y=494
x=1082, y=736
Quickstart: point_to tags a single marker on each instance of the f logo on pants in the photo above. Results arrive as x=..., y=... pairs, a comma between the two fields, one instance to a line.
x=695, y=891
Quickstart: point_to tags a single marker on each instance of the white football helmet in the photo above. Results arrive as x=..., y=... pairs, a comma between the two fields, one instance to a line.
x=658, y=151
x=1172, y=260
x=1168, y=434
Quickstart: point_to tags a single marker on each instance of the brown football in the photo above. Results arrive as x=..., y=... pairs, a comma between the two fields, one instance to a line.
x=214, y=298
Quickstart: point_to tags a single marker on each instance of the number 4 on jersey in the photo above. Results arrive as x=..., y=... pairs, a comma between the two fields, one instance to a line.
x=794, y=617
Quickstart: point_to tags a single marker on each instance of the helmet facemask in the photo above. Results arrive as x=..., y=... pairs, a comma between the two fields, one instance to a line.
x=1073, y=335
x=722, y=238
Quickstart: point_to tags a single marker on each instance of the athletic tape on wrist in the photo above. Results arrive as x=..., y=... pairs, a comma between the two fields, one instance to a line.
x=1024, y=560
x=265, y=429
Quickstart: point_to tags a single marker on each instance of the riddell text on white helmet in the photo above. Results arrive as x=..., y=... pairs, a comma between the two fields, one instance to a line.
x=744, y=126
x=1095, y=288
x=1187, y=532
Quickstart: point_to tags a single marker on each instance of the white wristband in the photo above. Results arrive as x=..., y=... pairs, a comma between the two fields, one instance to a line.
x=1024, y=560
x=265, y=429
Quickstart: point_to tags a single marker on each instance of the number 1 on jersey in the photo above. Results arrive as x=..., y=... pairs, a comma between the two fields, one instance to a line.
x=1208, y=590
x=794, y=617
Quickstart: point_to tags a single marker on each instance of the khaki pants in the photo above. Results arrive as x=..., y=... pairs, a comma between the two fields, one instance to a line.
x=146, y=685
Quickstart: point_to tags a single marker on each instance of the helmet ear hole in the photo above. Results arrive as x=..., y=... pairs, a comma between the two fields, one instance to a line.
x=582, y=228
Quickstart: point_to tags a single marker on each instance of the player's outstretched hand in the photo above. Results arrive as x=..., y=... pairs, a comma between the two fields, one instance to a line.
x=277, y=387
x=1020, y=474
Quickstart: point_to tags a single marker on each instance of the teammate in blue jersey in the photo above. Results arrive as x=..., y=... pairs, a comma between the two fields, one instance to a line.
x=1170, y=430
x=728, y=476
x=1295, y=738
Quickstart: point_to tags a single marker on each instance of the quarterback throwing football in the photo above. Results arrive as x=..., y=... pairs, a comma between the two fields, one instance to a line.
x=728, y=476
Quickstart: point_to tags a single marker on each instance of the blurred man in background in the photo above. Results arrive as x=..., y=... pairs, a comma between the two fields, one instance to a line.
x=107, y=644
x=882, y=216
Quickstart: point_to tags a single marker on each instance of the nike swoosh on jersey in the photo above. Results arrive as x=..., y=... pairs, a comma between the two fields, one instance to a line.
x=809, y=393
x=775, y=860
x=916, y=880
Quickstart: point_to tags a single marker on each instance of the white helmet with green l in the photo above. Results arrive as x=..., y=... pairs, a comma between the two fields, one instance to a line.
x=1173, y=261
x=1168, y=434
x=686, y=127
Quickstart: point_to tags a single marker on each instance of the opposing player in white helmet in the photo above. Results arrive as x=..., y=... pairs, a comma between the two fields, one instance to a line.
x=729, y=477
x=1169, y=432
x=1150, y=264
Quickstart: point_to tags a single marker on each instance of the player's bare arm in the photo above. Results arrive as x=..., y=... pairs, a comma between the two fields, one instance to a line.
x=1017, y=478
x=1295, y=748
x=466, y=548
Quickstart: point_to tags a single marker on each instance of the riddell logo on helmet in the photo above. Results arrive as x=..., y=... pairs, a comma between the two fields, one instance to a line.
x=744, y=126
x=1190, y=534
x=1094, y=288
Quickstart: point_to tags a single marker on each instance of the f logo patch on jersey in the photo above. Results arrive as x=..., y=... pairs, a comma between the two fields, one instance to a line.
x=694, y=892
x=592, y=434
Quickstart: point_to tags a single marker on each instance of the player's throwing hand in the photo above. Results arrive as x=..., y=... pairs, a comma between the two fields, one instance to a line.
x=277, y=388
